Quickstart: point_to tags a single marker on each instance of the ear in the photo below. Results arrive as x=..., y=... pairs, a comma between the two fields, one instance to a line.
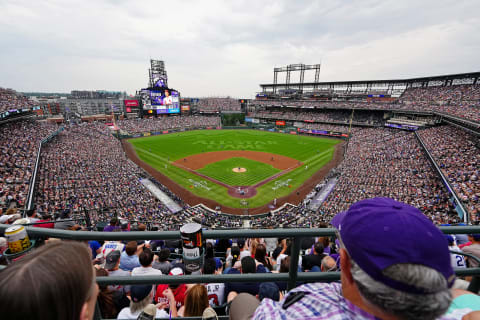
x=84, y=312
x=346, y=266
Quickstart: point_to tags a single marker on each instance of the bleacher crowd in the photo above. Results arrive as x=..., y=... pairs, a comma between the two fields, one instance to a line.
x=167, y=123
x=462, y=101
x=218, y=104
x=10, y=99
x=458, y=154
x=19, y=143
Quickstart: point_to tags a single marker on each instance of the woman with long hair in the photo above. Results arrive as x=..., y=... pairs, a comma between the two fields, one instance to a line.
x=196, y=301
x=261, y=256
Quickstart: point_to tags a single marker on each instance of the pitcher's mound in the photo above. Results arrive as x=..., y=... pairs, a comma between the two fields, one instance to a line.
x=239, y=170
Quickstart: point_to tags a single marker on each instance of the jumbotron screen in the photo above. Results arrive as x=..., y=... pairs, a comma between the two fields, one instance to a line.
x=162, y=100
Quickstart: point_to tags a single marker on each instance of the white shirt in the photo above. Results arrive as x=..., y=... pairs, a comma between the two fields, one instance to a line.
x=125, y=313
x=457, y=260
x=148, y=271
x=243, y=254
x=110, y=246
x=216, y=293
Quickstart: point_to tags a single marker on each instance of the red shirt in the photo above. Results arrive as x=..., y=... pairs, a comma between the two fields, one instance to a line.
x=179, y=294
x=45, y=225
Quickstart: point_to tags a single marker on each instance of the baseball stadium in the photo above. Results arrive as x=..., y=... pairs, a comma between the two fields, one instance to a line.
x=308, y=198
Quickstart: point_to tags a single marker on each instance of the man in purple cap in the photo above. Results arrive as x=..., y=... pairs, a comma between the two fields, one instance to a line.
x=395, y=264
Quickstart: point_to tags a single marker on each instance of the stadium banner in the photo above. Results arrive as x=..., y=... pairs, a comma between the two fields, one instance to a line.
x=137, y=135
x=402, y=126
x=165, y=131
x=130, y=103
x=247, y=119
x=323, y=133
x=279, y=123
x=254, y=120
x=185, y=108
x=146, y=134
x=293, y=132
x=156, y=133
x=310, y=121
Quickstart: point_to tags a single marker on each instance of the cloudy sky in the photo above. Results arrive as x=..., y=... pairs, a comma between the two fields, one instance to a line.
x=220, y=48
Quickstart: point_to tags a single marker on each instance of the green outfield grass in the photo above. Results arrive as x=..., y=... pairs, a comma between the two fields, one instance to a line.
x=159, y=151
x=222, y=171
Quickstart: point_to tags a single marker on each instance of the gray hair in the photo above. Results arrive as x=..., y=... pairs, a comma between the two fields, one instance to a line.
x=135, y=306
x=329, y=264
x=402, y=304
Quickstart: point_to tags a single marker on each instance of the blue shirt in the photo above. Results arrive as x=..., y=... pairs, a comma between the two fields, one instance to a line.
x=94, y=246
x=128, y=262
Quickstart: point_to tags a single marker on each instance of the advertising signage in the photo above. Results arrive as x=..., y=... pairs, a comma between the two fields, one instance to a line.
x=130, y=103
x=280, y=123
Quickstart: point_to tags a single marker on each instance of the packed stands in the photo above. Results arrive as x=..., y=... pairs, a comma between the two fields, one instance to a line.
x=167, y=123
x=18, y=150
x=388, y=163
x=458, y=154
x=342, y=116
x=85, y=168
x=461, y=100
x=10, y=99
x=218, y=104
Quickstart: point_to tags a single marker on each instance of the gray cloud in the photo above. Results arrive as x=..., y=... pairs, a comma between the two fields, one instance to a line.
x=229, y=47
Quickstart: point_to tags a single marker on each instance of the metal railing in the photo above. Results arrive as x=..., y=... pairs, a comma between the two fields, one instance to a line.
x=459, y=204
x=291, y=278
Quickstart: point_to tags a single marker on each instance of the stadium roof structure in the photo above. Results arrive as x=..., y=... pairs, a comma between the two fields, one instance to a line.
x=387, y=84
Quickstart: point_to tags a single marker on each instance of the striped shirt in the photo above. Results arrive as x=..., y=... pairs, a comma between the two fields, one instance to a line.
x=321, y=301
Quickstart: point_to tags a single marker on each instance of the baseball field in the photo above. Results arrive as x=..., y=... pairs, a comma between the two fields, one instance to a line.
x=236, y=168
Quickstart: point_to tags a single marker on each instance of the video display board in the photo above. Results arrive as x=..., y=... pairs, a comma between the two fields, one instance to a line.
x=162, y=100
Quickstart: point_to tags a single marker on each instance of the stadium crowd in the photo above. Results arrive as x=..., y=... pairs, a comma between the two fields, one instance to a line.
x=462, y=101
x=337, y=116
x=19, y=143
x=167, y=123
x=10, y=99
x=62, y=267
x=388, y=163
x=458, y=154
x=85, y=168
x=218, y=104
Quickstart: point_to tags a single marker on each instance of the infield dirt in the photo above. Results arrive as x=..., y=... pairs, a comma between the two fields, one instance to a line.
x=200, y=160
x=295, y=197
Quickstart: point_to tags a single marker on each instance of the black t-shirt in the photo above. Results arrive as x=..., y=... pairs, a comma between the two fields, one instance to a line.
x=311, y=260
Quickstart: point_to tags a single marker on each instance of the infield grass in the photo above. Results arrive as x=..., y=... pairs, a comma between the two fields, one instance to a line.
x=222, y=171
x=159, y=151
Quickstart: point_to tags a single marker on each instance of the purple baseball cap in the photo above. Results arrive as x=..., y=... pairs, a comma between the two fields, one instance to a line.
x=381, y=232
